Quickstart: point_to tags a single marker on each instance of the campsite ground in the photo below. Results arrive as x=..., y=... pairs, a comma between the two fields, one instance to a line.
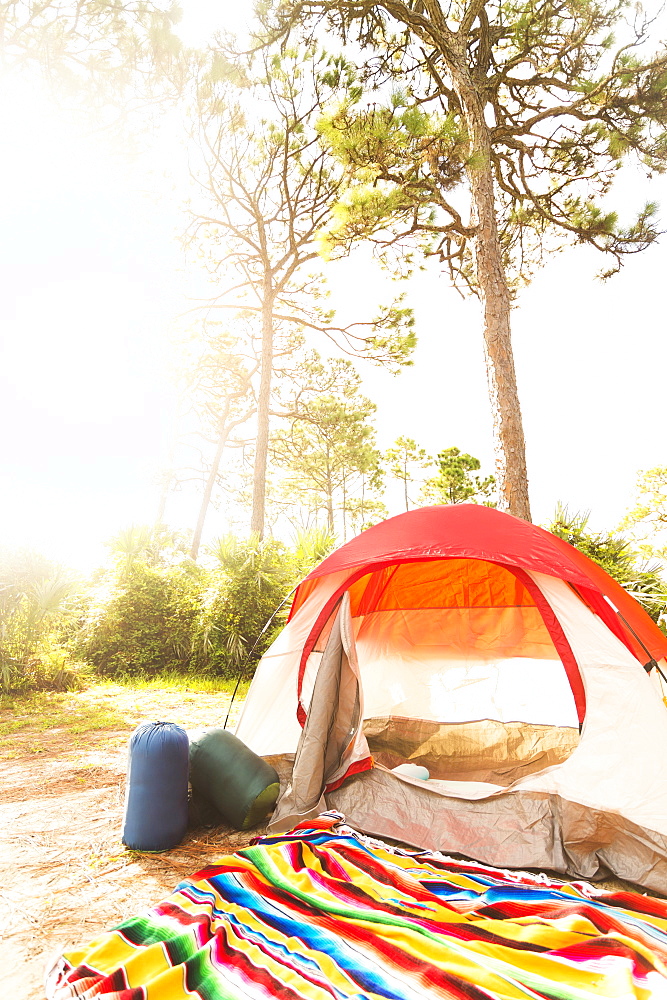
x=65, y=876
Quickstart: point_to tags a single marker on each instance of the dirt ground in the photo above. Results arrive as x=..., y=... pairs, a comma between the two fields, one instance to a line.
x=64, y=874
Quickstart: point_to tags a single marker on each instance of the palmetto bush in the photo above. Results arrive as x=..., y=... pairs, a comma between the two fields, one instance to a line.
x=155, y=610
x=247, y=599
x=142, y=622
x=37, y=606
x=614, y=552
x=241, y=608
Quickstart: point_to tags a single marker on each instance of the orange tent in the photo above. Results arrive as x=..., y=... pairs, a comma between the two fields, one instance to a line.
x=484, y=650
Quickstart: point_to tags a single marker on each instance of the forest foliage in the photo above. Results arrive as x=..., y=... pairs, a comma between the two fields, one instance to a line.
x=151, y=610
x=154, y=610
x=488, y=136
x=484, y=140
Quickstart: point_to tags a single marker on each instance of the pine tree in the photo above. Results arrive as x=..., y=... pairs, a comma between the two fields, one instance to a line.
x=268, y=187
x=455, y=482
x=402, y=458
x=491, y=133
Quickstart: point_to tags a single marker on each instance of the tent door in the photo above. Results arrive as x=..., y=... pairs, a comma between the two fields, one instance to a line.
x=332, y=743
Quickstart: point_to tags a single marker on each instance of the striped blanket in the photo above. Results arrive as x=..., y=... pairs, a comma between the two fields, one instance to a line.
x=323, y=913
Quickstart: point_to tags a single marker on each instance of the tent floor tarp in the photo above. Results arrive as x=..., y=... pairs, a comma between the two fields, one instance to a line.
x=324, y=913
x=495, y=827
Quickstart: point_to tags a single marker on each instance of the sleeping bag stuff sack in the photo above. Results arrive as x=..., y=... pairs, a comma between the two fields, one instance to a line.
x=156, y=798
x=242, y=786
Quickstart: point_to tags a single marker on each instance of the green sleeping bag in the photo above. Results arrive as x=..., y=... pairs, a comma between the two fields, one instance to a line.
x=225, y=772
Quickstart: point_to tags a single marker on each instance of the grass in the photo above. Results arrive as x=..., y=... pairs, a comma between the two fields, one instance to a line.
x=64, y=712
x=106, y=705
x=183, y=682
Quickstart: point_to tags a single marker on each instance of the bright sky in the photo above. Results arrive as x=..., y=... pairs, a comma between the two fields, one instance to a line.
x=92, y=280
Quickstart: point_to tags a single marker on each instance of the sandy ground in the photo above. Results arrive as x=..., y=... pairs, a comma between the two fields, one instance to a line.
x=64, y=874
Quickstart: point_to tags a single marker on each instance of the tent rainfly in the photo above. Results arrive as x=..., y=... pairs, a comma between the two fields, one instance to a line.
x=508, y=664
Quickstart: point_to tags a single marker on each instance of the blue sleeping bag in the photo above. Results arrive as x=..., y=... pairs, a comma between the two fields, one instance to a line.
x=156, y=796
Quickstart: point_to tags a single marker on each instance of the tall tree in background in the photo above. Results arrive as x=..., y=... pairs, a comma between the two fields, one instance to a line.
x=221, y=387
x=455, y=482
x=98, y=45
x=402, y=458
x=530, y=110
x=328, y=454
x=646, y=521
x=268, y=188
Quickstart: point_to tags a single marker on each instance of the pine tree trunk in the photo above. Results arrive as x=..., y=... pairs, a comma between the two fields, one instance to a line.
x=344, y=512
x=162, y=503
x=509, y=444
x=329, y=488
x=208, y=490
x=263, y=401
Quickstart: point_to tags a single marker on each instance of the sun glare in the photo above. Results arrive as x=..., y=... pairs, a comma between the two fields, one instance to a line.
x=201, y=20
x=89, y=265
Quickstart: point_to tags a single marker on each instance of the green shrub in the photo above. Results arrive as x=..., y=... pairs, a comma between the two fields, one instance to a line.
x=52, y=668
x=36, y=606
x=145, y=622
x=246, y=591
x=614, y=553
x=150, y=614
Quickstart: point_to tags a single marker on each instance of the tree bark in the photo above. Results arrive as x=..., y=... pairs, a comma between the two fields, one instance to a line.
x=162, y=502
x=208, y=491
x=330, y=509
x=263, y=402
x=509, y=443
x=344, y=512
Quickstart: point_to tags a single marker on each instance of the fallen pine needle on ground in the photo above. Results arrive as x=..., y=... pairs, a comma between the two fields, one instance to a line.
x=65, y=876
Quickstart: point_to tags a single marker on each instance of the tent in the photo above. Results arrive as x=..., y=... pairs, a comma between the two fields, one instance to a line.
x=498, y=657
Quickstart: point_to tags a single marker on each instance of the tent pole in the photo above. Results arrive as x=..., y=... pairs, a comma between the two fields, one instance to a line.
x=254, y=647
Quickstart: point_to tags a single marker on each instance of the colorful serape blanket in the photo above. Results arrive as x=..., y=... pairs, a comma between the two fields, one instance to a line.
x=323, y=913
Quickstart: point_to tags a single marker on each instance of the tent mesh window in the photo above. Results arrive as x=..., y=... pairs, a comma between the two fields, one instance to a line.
x=460, y=671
